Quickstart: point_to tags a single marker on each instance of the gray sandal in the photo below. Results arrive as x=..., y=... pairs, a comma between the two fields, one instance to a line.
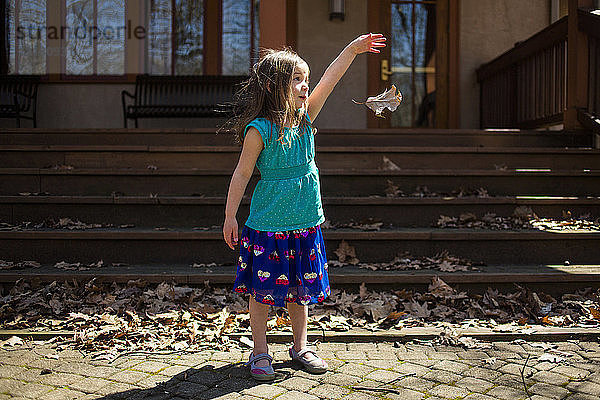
x=315, y=366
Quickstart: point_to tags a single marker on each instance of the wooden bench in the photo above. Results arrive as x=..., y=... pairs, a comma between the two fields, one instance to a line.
x=18, y=97
x=180, y=96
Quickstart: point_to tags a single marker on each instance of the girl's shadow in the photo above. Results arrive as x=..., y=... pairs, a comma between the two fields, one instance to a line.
x=207, y=382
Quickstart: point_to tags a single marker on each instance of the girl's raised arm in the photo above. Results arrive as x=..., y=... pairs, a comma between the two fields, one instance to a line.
x=370, y=42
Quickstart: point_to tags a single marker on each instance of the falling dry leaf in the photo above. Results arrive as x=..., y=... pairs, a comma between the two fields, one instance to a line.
x=388, y=99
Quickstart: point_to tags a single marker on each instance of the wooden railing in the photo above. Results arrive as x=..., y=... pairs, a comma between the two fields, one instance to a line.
x=590, y=25
x=531, y=86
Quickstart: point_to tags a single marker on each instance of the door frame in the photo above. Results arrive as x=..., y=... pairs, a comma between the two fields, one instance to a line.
x=447, y=61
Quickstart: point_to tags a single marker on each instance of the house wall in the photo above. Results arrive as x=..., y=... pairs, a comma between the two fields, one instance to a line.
x=319, y=42
x=489, y=28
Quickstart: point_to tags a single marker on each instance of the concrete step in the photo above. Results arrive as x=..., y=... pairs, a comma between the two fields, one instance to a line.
x=139, y=246
x=188, y=212
x=551, y=277
x=325, y=137
x=328, y=157
x=189, y=182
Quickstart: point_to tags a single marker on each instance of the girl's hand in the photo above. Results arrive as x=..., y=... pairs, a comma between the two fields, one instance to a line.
x=230, y=232
x=371, y=42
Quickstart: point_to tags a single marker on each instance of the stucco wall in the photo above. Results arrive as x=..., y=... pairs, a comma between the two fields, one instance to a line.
x=488, y=28
x=319, y=42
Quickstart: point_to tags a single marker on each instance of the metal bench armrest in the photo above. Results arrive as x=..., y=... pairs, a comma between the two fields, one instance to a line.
x=124, y=94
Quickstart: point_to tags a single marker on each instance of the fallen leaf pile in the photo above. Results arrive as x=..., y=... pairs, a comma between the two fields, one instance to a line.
x=111, y=318
x=19, y=265
x=368, y=225
x=34, y=193
x=443, y=262
x=60, y=167
x=51, y=223
x=552, y=225
x=388, y=99
x=523, y=218
x=7, y=265
x=393, y=190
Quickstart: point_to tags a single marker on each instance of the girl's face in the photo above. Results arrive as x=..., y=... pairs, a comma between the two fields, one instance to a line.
x=300, y=85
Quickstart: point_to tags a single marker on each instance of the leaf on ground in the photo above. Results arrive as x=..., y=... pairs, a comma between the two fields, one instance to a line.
x=11, y=342
x=388, y=99
x=417, y=310
x=440, y=288
x=389, y=165
x=346, y=253
x=247, y=342
x=553, y=358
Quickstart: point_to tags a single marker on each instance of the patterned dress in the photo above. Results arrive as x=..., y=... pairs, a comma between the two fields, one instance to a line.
x=282, y=252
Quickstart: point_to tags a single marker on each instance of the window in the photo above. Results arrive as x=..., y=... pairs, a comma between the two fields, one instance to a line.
x=95, y=38
x=413, y=35
x=240, y=36
x=27, y=44
x=179, y=29
x=91, y=38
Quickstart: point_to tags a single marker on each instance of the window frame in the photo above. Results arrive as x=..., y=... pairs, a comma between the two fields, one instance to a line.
x=135, y=53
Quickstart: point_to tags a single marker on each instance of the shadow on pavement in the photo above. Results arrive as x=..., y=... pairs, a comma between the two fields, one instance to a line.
x=207, y=382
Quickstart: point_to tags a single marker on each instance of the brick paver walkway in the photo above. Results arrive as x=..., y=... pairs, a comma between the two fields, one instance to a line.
x=359, y=371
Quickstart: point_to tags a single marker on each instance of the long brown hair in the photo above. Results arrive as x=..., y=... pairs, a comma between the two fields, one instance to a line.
x=267, y=93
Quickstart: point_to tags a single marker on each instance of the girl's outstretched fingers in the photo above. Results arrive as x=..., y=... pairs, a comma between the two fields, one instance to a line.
x=370, y=42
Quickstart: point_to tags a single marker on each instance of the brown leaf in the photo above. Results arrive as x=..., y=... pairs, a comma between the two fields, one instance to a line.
x=389, y=165
x=346, y=253
x=417, y=310
x=595, y=313
x=440, y=288
x=388, y=99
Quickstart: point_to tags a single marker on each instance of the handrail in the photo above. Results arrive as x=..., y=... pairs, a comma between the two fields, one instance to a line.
x=530, y=86
x=589, y=23
x=541, y=40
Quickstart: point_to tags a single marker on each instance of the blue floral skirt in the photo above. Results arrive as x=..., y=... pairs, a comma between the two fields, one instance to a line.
x=280, y=267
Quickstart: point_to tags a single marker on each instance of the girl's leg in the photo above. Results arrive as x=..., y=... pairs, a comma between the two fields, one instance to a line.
x=299, y=318
x=258, y=324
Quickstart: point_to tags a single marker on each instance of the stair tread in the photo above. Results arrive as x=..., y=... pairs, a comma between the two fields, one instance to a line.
x=182, y=233
x=323, y=171
x=346, y=274
x=399, y=131
x=367, y=200
x=319, y=149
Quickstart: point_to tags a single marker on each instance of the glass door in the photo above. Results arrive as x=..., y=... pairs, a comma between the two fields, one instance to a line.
x=408, y=62
x=412, y=61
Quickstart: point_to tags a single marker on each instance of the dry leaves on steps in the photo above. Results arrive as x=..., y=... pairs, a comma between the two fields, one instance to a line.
x=388, y=99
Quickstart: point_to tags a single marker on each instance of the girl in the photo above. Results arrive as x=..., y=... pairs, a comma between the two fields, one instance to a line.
x=282, y=257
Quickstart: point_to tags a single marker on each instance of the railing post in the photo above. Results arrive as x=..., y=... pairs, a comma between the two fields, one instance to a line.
x=577, y=66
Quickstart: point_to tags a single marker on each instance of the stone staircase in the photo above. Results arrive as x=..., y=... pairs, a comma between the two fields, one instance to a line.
x=160, y=196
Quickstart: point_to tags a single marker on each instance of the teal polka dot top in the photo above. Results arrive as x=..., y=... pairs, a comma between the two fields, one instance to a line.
x=288, y=194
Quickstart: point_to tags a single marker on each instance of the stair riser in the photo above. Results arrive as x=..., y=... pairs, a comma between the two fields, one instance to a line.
x=131, y=137
x=207, y=215
x=332, y=185
x=327, y=160
x=182, y=251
